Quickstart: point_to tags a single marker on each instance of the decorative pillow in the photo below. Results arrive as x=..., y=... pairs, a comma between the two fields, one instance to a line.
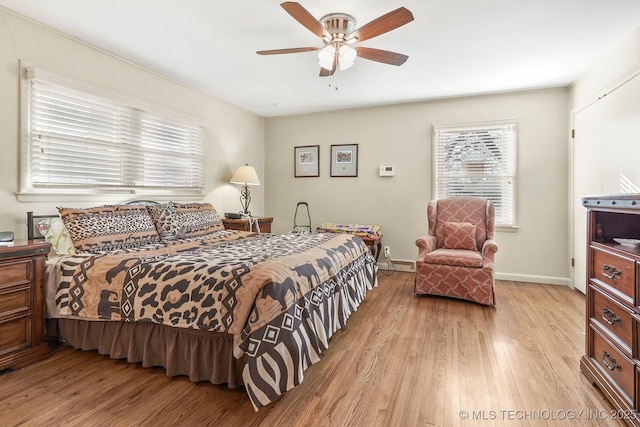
x=164, y=218
x=197, y=219
x=109, y=227
x=56, y=234
x=460, y=235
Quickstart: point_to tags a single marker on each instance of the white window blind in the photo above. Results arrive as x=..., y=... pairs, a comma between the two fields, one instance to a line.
x=478, y=161
x=83, y=140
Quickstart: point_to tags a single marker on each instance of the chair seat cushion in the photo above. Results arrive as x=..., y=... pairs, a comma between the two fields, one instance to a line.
x=457, y=257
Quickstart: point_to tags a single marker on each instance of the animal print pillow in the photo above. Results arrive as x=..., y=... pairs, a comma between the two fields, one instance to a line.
x=164, y=218
x=109, y=227
x=197, y=219
x=179, y=221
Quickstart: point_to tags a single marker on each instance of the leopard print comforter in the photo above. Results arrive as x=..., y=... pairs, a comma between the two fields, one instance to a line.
x=281, y=296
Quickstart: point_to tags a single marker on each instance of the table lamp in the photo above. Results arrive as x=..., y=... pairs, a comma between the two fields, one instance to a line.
x=245, y=175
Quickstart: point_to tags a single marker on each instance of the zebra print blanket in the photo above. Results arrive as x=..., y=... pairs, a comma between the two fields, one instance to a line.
x=281, y=296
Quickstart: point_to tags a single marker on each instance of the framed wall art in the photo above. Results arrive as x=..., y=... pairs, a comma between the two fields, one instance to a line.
x=344, y=160
x=307, y=161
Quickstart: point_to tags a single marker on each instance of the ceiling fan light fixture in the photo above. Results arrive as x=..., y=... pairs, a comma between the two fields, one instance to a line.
x=346, y=56
x=326, y=56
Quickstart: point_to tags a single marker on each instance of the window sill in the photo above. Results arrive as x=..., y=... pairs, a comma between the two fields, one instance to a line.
x=507, y=229
x=111, y=197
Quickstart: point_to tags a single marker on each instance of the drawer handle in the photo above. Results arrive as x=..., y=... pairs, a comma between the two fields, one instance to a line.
x=614, y=365
x=609, y=316
x=610, y=272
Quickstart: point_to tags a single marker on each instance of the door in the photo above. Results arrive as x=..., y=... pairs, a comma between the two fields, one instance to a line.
x=606, y=159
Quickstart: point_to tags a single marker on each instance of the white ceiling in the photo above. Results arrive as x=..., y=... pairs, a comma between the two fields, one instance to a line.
x=455, y=47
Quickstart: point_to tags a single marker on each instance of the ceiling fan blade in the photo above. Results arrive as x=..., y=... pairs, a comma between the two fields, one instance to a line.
x=290, y=50
x=384, y=56
x=325, y=73
x=383, y=24
x=301, y=15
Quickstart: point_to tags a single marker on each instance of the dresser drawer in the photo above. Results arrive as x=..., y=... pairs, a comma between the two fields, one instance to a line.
x=15, y=334
x=613, y=363
x=613, y=317
x=15, y=300
x=13, y=272
x=615, y=271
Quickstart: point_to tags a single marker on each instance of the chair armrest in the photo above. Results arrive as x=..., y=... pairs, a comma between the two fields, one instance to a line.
x=425, y=245
x=426, y=242
x=489, y=248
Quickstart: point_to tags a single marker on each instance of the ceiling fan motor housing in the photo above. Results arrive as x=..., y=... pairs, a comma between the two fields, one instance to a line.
x=338, y=25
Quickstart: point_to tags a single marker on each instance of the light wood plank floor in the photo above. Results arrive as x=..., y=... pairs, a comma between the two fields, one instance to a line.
x=401, y=360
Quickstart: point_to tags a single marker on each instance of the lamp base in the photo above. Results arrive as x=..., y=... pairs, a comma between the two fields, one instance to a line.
x=245, y=199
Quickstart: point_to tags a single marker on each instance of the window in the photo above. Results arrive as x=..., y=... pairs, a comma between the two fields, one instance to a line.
x=79, y=140
x=479, y=161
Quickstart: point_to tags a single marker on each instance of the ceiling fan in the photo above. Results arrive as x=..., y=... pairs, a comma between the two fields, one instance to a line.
x=338, y=31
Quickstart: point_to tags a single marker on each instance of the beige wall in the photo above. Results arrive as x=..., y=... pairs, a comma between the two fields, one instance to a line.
x=232, y=136
x=398, y=135
x=401, y=135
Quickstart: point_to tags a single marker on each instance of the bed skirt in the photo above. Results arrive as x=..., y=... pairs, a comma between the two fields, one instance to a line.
x=200, y=355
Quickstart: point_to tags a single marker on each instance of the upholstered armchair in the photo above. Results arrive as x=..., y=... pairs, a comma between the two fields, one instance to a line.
x=455, y=258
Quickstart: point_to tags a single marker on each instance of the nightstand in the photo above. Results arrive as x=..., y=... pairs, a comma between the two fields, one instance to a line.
x=22, y=306
x=243, y=224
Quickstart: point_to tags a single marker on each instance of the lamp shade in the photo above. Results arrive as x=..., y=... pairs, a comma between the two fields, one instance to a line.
x=245, y=175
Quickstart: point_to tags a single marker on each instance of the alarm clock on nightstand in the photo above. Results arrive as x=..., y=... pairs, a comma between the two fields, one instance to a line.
x=6, y=238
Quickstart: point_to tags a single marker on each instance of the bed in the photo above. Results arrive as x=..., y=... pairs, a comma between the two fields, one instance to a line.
x=166, y=285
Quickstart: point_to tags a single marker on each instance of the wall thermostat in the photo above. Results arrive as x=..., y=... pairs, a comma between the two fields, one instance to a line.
x=387, y=170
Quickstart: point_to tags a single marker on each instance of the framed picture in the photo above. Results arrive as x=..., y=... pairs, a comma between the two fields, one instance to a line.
x=307, y=161
x=344, y=160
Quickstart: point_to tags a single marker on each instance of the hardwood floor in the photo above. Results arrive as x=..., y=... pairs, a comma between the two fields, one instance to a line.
x=401, y=360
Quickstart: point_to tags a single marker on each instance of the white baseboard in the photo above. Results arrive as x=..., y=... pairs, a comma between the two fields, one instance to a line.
x=410, y=267
x=547, y=280
x=399, y=264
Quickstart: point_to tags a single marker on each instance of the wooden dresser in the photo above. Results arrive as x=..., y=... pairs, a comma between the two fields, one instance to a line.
x=243, y=224
x=613, y=301
x=22, y=299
